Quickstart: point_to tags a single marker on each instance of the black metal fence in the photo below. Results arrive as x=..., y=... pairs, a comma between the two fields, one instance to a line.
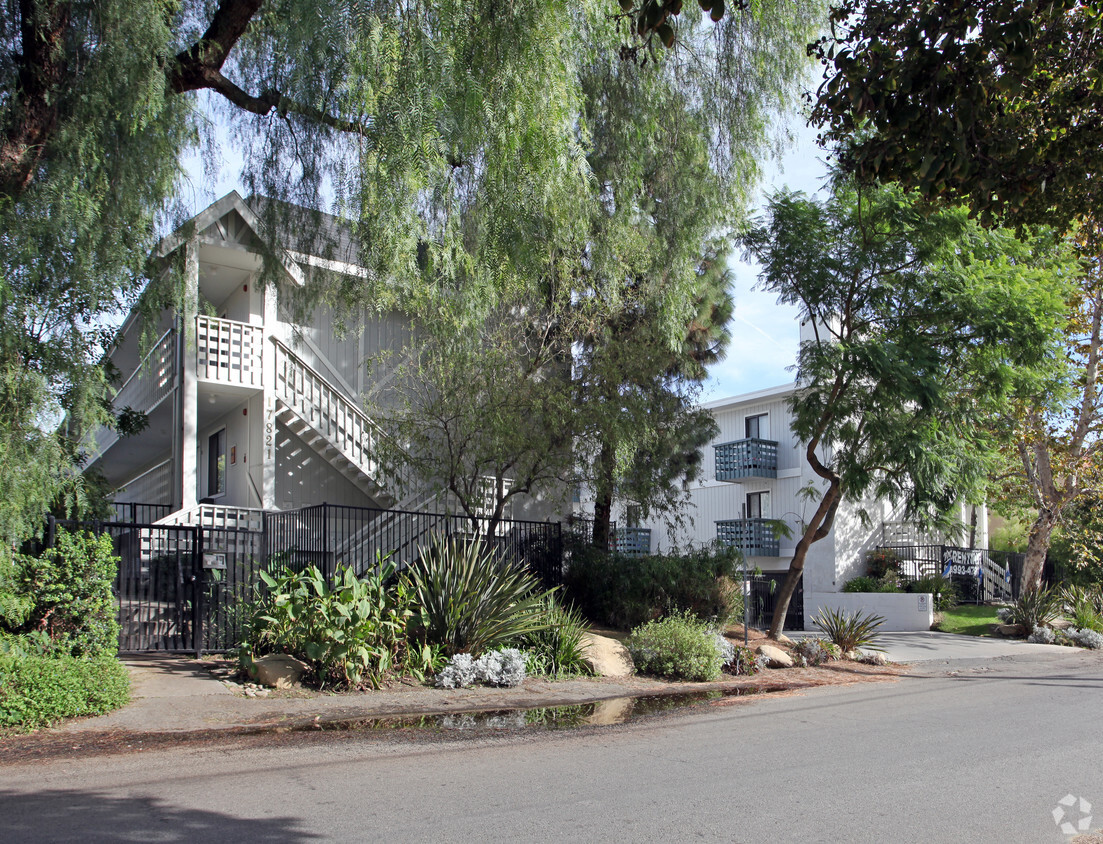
x=132, y=511
x=980, y=575
x=187, y=587
x=330, y=535
x=761, y=596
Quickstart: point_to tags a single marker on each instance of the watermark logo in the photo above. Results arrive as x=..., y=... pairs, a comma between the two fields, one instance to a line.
x=1064, y=814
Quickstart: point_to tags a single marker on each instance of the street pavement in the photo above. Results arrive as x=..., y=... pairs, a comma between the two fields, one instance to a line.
x=967, y=750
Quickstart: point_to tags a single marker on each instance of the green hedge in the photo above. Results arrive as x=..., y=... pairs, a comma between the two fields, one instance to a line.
x=36, y=691
x=624, y=592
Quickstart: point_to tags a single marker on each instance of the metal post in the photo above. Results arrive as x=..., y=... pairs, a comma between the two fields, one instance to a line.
x=197, y=584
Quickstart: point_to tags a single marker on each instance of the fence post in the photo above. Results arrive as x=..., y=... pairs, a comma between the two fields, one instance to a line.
x=326, y=573
x=51, y=531
x=197, y=585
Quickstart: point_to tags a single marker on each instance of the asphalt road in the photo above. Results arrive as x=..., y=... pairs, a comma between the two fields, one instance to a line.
x=963, y=752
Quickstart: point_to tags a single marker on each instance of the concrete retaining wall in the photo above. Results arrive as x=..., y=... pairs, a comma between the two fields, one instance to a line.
x=900, y=611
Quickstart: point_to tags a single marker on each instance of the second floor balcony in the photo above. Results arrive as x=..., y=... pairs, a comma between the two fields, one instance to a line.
x=749, y=458
x=632, y=541
x=754, y=537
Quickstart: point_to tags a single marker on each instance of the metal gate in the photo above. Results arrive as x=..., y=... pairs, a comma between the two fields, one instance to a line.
x=158, y=586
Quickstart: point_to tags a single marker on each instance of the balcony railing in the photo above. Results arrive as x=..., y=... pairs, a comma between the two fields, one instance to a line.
x=146, y=387
x=632, y=541
x=749, y=458
x=754, y=537
x=228, y=352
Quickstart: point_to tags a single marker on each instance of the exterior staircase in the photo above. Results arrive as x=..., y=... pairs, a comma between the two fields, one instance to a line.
x=332, y=425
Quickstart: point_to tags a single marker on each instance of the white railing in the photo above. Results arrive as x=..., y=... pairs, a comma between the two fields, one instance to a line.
x=217, y=516
x=152, y=380
x=152, y=485
x=327, y=410
x=228, y=352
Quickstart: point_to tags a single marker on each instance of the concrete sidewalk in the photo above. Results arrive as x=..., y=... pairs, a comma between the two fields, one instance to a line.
x=929, y=645
x=176, y=694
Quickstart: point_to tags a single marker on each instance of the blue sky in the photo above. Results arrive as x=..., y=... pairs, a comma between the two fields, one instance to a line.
x=764, y=333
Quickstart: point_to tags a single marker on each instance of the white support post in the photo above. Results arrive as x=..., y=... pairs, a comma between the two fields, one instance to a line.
x=268, y=420
x=189, y=387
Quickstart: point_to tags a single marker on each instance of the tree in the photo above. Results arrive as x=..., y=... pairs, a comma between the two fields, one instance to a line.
x=922, y=320
x=1053, y=428
x=992, y=104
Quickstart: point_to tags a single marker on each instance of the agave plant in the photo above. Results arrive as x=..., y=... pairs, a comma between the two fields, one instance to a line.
x=1037, y=608
x=470, y=600
x=850, y=631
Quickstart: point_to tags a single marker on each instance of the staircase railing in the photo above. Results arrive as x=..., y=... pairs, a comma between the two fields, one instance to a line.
x=149, y=383
x=228, y=352
x=326, y=409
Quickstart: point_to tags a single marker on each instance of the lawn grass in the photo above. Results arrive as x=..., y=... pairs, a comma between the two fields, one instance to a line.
x=969, y=620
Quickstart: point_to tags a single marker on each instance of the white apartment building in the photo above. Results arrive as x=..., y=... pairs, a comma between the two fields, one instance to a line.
x=248, y=410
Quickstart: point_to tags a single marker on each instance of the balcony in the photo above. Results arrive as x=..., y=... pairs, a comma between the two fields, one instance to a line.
x=632, y=541
x=754, y=537
x=228, y=352
x=749, y=458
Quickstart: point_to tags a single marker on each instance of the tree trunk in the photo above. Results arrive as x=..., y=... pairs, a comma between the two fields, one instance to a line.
x=1037, y=545
x=817, y=529
x=603, y=499
x=973, y=527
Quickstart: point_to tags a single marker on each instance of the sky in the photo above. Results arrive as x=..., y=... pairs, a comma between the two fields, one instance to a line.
x=764, y=333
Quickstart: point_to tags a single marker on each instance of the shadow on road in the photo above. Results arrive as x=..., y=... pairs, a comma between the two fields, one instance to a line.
x=87, y=816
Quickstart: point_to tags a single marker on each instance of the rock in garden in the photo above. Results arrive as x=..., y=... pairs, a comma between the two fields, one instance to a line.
x=785, y=640
x=775, y=657
x=606, y=657
x=1011, y=630
x=279, y=670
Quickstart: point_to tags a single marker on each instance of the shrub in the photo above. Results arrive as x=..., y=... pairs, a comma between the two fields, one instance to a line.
x=625, y=592
x=38, y=690
x=1004, y=614
x=881, y=562
x=351, y=632
x=1084, y=607
x=505, y=667
x=1092, y=639
x=1042, y=636
x=813, y=652
x=470, y=601
x=744, y=662
x=1037, y=608
x=557, y=650
x=679, y=647
x=887, y=583
x=67, y=593
x=943, y=590
x=849, y=631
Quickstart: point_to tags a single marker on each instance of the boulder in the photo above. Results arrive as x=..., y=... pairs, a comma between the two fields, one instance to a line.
x=775, y=657
x=1011, y=631
x=1060, y=624
x=785, y=640
x=279, y=671
x=606, y=657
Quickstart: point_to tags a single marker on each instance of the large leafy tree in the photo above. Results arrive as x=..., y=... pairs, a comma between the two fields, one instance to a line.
x=998, y=106
x=992, y=104
x=452, y=133
x=923, y=322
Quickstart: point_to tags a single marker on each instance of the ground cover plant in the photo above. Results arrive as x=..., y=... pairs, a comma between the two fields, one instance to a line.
x=59, y=633
x=624, y=592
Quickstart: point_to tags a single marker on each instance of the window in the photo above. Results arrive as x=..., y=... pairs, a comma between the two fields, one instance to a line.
x=758, y=427
x=632, y=515
x=758, y=505
x=216, y=463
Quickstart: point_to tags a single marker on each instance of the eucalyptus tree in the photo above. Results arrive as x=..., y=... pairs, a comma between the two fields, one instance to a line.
x=923, y=324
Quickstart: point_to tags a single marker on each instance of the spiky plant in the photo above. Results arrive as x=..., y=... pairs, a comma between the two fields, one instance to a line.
x=470, y=600
x=1036, y=608
x=850, y=631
